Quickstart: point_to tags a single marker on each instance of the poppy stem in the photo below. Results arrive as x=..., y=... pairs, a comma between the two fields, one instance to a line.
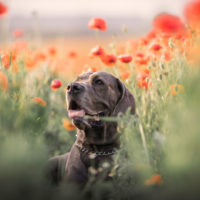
x=144, y=141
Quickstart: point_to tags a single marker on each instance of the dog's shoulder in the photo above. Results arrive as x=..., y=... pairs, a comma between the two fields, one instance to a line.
x=56, y=168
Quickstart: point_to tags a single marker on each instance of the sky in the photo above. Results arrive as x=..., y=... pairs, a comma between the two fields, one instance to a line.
x=64, y=16
x=142, y=8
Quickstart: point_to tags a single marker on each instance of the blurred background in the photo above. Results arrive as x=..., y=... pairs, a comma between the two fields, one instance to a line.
x=45, y=42
x=70, y=18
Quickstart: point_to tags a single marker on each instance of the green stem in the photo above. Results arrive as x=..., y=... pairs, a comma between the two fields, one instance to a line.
x=144, y=141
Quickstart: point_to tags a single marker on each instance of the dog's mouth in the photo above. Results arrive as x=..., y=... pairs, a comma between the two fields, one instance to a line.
x=75, y=110
x=82, y=119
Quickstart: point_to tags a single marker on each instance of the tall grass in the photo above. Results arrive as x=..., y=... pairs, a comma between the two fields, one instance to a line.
x=161, y=140
x=158, y=156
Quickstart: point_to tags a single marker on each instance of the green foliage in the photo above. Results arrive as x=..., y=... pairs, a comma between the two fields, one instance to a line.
x=162, y=138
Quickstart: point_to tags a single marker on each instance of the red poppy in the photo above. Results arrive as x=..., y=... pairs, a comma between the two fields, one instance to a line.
x=97, y=23
x=109, y=60
x=145, y=73
x=55, y=84
x=144, y=41
x=18, y=33
x=176, y=88
x=5, y=60
x=142, y=61
x=125, y=58
x=167, y=56
x=3, y=9
x=141, y=78
x=3, y=82
x=155, y=47
x=168, y=24
x=92, y=69
x=156, y=179
x=125, y=75
x=72, y=54
x=192, y=11
x=151, y=35
x=39, y=101
x=52, y=51
x=30, y=62
x=15, y=67
x=8, y=58
x=143, y=84
x=139, y=54
x=88, y=68
x=40, y=56
x=97, y=51
x=68, y=125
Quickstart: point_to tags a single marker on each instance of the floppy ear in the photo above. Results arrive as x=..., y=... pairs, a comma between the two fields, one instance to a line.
x=125, y=101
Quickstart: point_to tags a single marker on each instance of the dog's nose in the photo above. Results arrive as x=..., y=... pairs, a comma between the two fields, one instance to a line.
x=74, y=88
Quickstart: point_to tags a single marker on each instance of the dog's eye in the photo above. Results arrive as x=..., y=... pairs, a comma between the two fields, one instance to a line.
x=98, y=82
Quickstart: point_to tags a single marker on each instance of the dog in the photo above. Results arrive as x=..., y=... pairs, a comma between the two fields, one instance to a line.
x=91, y=96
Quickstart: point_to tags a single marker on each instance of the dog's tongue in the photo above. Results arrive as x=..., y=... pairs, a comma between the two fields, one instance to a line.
x=75, y=113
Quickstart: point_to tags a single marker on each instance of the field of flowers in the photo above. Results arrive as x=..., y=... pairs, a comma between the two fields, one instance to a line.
x=159, y=154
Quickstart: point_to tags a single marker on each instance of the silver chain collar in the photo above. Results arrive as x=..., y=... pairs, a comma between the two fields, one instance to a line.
x=96, y=153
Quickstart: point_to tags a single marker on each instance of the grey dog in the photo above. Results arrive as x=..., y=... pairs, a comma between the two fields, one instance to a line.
x=90, y=97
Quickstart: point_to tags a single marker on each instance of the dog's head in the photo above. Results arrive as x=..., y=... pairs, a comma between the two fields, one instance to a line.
x=94, y=95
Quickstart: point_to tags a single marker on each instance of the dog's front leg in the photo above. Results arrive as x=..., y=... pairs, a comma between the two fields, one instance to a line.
x=75, y=170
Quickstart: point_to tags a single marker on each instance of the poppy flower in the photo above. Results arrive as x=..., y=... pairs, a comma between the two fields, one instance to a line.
x=3, y=9
x=68, y=125
x=29, y=63
x=55, y=84
x=151, y=35
x=39, y=101
x=72, y=54
x=175, y=89
x=52, y=51
x=40, y=56
x=144, y=41
x=141, y=78
x=125, y=58
x=15, y=67
x=88, y=68
x=98, y=24
x=141, y=61
x=143, y=84
x=167, y=56
x=139, y=54
x=168, y=24
x=18, y=33
x=97, y=51
x=6, y=60
x=3, y=82
x=125, y=75
x=109, y=59
x=192, y=11
x=143, y=74
x=156, y=179
x=155, y=47
x=92, y=69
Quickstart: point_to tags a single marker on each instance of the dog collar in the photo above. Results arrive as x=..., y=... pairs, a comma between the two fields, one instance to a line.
x=96, y=153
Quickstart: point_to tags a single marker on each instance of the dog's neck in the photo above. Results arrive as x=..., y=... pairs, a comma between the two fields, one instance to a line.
x=83, y=143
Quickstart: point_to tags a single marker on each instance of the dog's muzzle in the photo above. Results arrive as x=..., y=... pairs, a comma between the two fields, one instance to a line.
x=74, y=88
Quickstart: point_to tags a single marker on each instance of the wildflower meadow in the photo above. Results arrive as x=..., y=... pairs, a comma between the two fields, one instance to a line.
x=159, y=152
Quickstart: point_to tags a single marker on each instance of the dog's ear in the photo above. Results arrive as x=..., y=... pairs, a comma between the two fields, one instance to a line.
x=125, y=101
